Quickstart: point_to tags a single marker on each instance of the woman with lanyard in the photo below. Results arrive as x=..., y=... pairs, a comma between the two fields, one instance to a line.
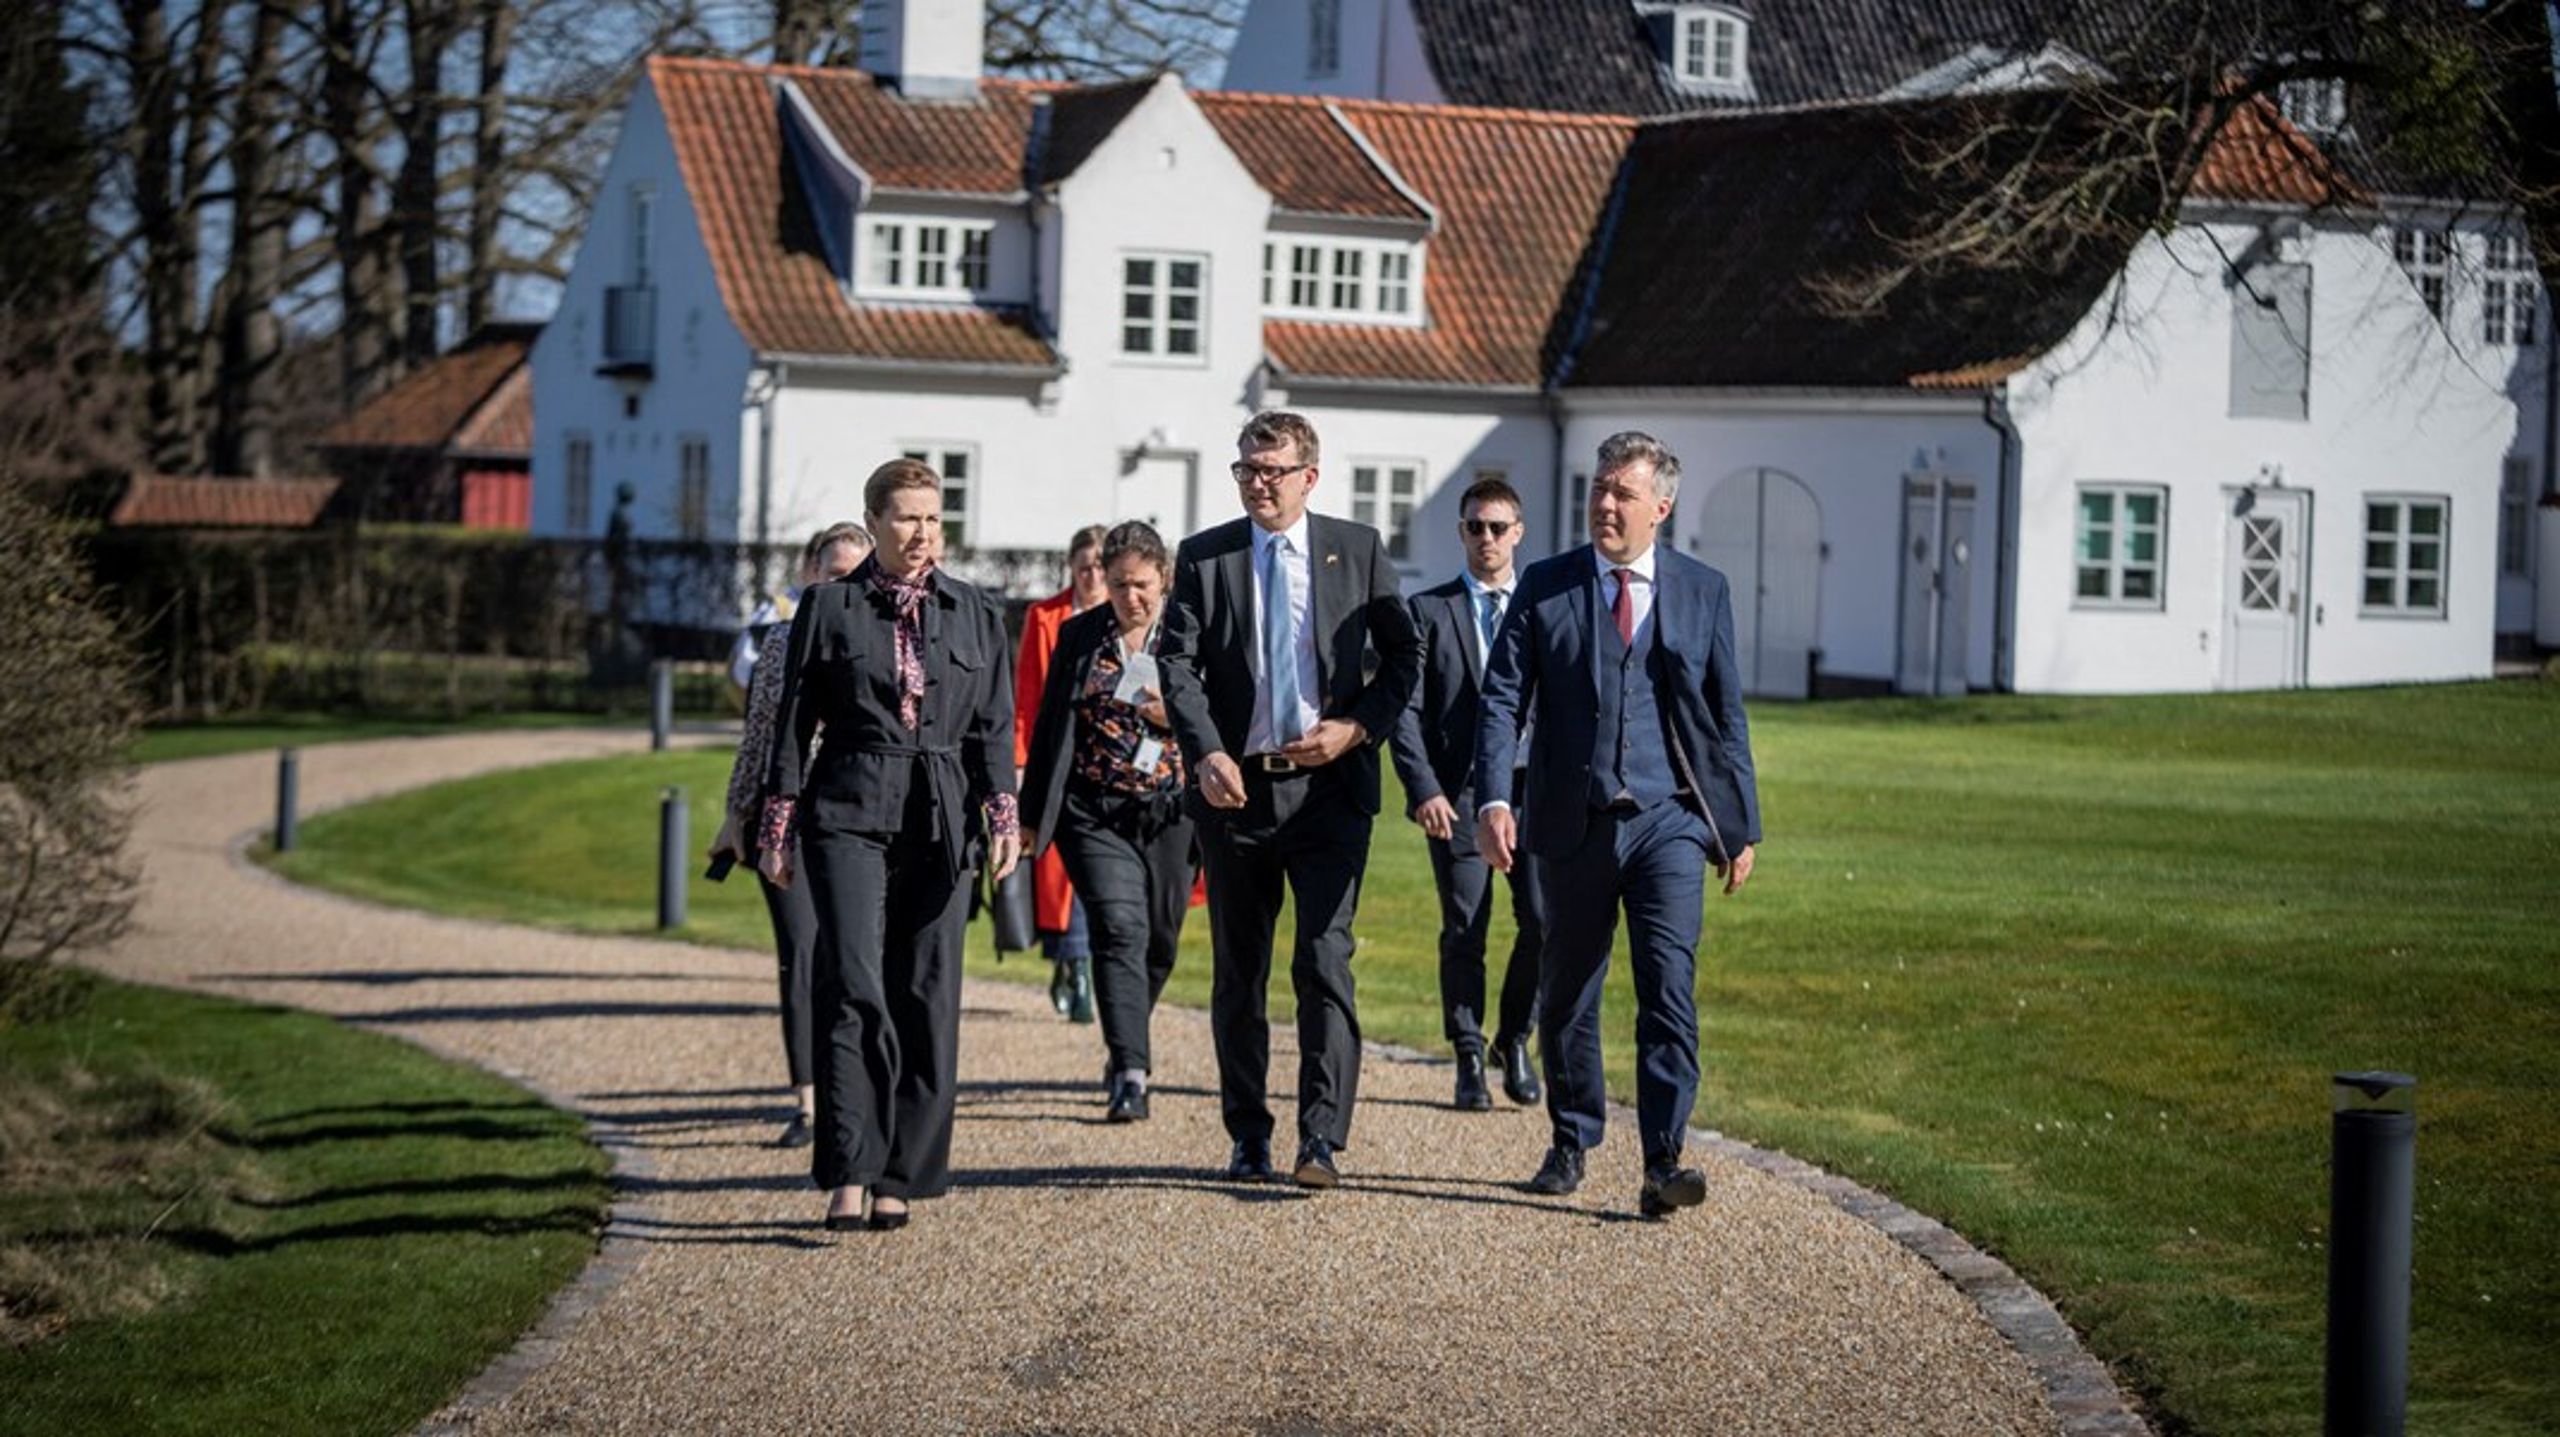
x=907, y=670
x=1104, y=783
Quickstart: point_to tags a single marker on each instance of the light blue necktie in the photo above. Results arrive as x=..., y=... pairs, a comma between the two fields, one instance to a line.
x=1280, y=643
x=1488, y=623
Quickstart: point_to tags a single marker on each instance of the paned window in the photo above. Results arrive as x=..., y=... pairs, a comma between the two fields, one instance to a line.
x=578, y=485
x=1577, y=510
x=929, y=259
x=975, y=243
x=1383, y=495
x=1324, y=38
x=2117, y=549
x=1160, y=298
x=2515, y=518
x=1306, y=276
x=2422, y=255
x=2511, y=293
x=933, y=257
x=2404, y=539
x=1395, y=282
x=1347, y=288
x=1331, y=279
x=693, y=487
x=1710, y=48
x=888, y=263
x=958, y=466
x=2318, y=107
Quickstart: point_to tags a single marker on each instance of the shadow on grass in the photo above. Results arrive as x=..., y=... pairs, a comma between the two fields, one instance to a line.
x=547, y=1012
x=212, y=1242
x=489, y=1130
x=558, y=1178
x=401, y=977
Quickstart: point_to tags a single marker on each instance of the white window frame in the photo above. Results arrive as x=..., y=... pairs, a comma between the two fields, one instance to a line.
x=1158, y=323
x=1324, y=39
x=2510, y=293
x=2117, y=561
x=926, y=259
x=693, y=487
x=2315, y=105
x=2426, y=257
x=2398, y=572
x=959, y=496
x=1375, y=502
x=1345, y=280
x=1711, y=47
x=578, y=482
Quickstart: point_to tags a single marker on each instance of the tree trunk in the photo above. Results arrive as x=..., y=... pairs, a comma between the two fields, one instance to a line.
x=413, y=192
x=245, y=387
x=489, y=176
x=151, y=141
x=367, y=297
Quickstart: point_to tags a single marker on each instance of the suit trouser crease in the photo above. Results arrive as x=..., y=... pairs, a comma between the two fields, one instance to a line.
x=1136, y=888
x=1654, y=863
x=886, y=993
x=795, y=941
x=1304, y=837
x=1465, y=885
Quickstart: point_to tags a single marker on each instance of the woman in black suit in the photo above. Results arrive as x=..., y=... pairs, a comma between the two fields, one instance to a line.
x=1105, y=784
x=908, y=671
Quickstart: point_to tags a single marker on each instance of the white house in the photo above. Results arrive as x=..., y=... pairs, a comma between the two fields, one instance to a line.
x=1067, y=298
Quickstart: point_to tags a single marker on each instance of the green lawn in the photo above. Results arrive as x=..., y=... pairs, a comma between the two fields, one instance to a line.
x=2071, y=974
x=163, y=743
x=219, y=1218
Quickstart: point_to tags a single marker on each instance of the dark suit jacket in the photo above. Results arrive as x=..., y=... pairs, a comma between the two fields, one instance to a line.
x=1435, y=739
x=1546, y=662
x=1053, y=737
x=1209, y=652
x=844, y=675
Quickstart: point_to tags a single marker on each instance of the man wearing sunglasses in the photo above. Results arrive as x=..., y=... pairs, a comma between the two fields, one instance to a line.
x=1264, y=657
x=1435, y=754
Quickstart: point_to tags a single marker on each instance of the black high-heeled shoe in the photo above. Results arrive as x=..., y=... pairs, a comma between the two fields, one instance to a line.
x=854, y=1221
x=881, y=1221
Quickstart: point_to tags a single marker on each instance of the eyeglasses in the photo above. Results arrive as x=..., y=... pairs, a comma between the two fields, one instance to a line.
x=1262, y=473
x=1487, y=528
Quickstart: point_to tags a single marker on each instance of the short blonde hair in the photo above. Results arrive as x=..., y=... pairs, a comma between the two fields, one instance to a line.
x=897, y=474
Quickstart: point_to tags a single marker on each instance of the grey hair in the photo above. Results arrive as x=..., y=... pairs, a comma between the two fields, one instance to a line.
x=1633, y=446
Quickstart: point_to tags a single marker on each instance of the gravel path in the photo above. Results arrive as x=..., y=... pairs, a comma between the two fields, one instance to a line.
x=1082, y=1278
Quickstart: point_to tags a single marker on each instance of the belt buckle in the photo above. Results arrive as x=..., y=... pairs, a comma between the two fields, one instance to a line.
x=1276, y=763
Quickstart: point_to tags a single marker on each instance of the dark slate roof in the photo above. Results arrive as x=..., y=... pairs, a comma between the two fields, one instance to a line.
x=1726, y=222
x=1079, y=121
x=1588, y=57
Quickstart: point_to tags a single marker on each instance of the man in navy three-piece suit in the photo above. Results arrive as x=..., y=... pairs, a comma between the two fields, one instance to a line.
x=1639, y=779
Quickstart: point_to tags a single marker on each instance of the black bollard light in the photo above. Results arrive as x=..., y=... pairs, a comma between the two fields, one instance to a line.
x=671, y=855
x=2373, y=1140
x=288, y=795
x=662, y=703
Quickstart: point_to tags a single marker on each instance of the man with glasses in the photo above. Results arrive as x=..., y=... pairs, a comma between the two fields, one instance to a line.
x=1435, y=754
x=1264, y=658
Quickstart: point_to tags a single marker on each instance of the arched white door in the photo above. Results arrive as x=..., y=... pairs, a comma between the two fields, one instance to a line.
x=1763, y=528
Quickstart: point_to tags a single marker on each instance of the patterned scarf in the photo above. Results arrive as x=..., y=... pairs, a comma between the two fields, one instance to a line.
x=909, y=595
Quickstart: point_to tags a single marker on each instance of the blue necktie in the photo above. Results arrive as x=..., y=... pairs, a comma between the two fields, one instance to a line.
x=1488, y=623
x=1280, y=643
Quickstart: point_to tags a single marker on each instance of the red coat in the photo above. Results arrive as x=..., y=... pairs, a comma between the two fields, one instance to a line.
x=1050, y=894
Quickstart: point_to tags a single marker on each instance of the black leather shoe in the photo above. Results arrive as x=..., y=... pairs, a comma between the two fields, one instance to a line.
x=1062, y=985
x=885, y=1221
x=1128, y=1104
x=1667, y=1189
x=797, y=1134
x=1473, y=1096
x=1519, y=1075
x=1251, y=1163
x=1561, y=1173
x=1315, y=1165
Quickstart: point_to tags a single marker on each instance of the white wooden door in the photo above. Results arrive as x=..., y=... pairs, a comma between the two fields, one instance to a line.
x=2263, y=574
x=1937, y=585
x=1763, y=529
x=1156, y=486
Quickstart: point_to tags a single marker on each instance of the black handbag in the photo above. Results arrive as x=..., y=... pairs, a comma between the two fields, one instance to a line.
x=1009, y=899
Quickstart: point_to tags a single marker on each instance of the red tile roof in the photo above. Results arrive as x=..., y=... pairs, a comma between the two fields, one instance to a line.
x=479, y=388
x=160, y=501
x=2260, y=156
x=1519, y=195
x=1299, y=151
x=773, y=275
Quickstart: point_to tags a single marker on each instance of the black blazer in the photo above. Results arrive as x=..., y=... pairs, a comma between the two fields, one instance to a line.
x=1435, y=739
x=844, y=674
x=1081, y=639
x=1546, y=663
x=1209, y=653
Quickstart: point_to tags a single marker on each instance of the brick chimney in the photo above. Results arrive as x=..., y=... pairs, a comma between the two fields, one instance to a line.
x=928, y=49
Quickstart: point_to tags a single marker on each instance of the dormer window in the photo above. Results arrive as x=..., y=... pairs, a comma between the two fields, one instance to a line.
x=1710, y=48
x=2315, y=107
x=1324, y=39
x=1328, y=277
x=925, y=259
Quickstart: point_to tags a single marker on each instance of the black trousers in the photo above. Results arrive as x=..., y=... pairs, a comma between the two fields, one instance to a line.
x=1132, y=867
x=1465, y=882
x=886, y=994
x=795, y=942
x=1301, y=836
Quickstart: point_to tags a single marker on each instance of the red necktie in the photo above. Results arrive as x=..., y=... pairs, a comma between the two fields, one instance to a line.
x=1626, y=607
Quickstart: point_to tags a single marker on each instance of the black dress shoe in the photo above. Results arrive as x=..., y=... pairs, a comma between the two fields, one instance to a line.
x=1128, y=1104
x=1561, y=1173
x=1315, y=1165
x=1473, y=1096
x=1519, y=1075
x=889, y=1221
x=1251, y=1162
x=1667, y=1189
x=797, y=1134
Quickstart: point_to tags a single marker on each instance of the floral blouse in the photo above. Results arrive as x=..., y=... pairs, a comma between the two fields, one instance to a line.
x=764, y=709
x=1110, y=733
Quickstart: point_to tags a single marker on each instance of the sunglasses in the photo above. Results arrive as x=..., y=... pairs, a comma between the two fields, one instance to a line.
x=1262, y=473
x=1487, y=528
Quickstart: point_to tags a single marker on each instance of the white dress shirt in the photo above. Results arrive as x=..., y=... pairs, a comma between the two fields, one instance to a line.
x=1476, y=590
x=1258, y=736
x=1642, y=567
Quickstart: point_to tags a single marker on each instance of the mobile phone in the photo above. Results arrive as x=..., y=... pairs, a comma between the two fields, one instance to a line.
x=721, y=863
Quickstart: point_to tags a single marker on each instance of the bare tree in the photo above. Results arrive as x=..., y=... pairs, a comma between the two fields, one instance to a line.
x=252, y=336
